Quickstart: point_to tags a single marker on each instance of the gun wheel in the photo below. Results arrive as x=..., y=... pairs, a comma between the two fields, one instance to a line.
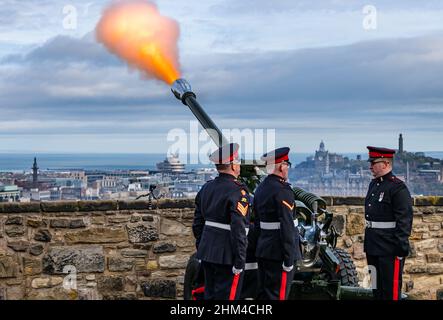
x=348, y=274
x=193, y=277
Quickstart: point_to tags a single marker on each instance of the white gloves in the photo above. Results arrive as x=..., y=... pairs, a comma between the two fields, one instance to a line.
x=287, y=269
x=236, y=271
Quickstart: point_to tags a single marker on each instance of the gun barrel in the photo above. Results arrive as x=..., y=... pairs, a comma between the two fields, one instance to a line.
x=183, y=91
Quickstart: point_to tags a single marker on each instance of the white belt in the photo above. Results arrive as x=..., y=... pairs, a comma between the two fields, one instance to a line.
x=222, y=226
x=380, y=225
x=251, y=266
x=274, y=225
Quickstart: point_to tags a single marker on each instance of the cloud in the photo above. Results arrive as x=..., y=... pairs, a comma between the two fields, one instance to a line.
x=72, y=86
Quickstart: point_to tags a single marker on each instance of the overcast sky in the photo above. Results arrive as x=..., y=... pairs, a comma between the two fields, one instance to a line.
x=308, y=69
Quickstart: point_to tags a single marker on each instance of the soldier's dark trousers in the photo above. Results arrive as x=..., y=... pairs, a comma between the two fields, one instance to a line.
x=221, y=283
x=274, y=283
x=389, y=271
x=250, y=284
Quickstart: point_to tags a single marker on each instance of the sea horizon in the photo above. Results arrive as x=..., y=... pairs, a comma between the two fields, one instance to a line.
x=15, y=161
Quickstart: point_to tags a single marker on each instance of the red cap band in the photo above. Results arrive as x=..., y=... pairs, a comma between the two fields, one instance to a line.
x=281, y=159
x=374, y=154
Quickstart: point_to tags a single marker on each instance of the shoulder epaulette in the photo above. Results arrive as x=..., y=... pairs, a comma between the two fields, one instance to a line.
x=395, y=179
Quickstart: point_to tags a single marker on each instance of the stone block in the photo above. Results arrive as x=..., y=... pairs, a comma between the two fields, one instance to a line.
x=134, y=253
x=14, y=231
x=35, y=223
x=358, y=253
x=152, y=265
x=67, y=223
x=59, y=206
x=32, y=266
x=421, y=228
x=416, y=268
x=355, y=224
x=100, y=220
x=133, y=205
x=20, y=207
x=141, y=233
x=428, y=201
x=160, y=288
x=55, y=293
x=435, y=268
x=120, y=219
x=135, y=219
x=97, y=235
x=164, y=247
x=111, y=283
x=433, y=218
x=19, y=246
x=17, y=220
x=89, y=259
x=425, y=244
x=15, y=292
x=36, y=249
x=172, y=203
x=173, y=228
x=338, y=221
x=43, y=235
x=173, y=261
x=46, y=282
x=119, y=265
x=8, y=267
x=106, y=205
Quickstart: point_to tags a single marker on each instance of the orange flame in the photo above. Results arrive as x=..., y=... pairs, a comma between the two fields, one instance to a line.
x=136, y=32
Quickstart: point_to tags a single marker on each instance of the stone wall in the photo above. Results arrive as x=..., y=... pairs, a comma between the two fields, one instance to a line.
x=123, y=250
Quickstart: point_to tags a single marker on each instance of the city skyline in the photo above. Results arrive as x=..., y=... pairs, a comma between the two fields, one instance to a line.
x=324, y=75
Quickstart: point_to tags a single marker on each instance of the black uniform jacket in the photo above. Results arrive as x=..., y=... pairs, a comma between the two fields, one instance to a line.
x=226, y=201
x=274, y=202
x=388, y=200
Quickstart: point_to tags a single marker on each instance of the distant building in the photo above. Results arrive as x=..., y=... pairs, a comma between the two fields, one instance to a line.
x=37, y=195
x=400, y=143
x=9, y=193
x=171, y=165
x=35, y=174
x=323, y=158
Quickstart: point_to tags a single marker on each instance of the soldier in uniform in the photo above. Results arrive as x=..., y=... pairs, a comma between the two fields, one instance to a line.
x=220, y=227
x=278, y=240
x=388, y=213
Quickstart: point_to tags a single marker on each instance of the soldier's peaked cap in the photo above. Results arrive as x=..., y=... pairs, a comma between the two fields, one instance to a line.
x=277, y=155
x=225, y=154
x=377, y=153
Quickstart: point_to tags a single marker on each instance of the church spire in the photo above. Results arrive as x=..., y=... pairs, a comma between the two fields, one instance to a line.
x=35, y=174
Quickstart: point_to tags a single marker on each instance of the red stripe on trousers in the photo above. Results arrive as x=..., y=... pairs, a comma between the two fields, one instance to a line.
x=198, y=290
x=396, y=278
x=234, y=287
x=283, y=286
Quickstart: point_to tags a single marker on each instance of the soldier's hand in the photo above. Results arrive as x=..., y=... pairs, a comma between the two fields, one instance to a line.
x=236, y=271
x=287, y=269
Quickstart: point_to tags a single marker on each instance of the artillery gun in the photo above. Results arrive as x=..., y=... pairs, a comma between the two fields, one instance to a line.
x=325, y=271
